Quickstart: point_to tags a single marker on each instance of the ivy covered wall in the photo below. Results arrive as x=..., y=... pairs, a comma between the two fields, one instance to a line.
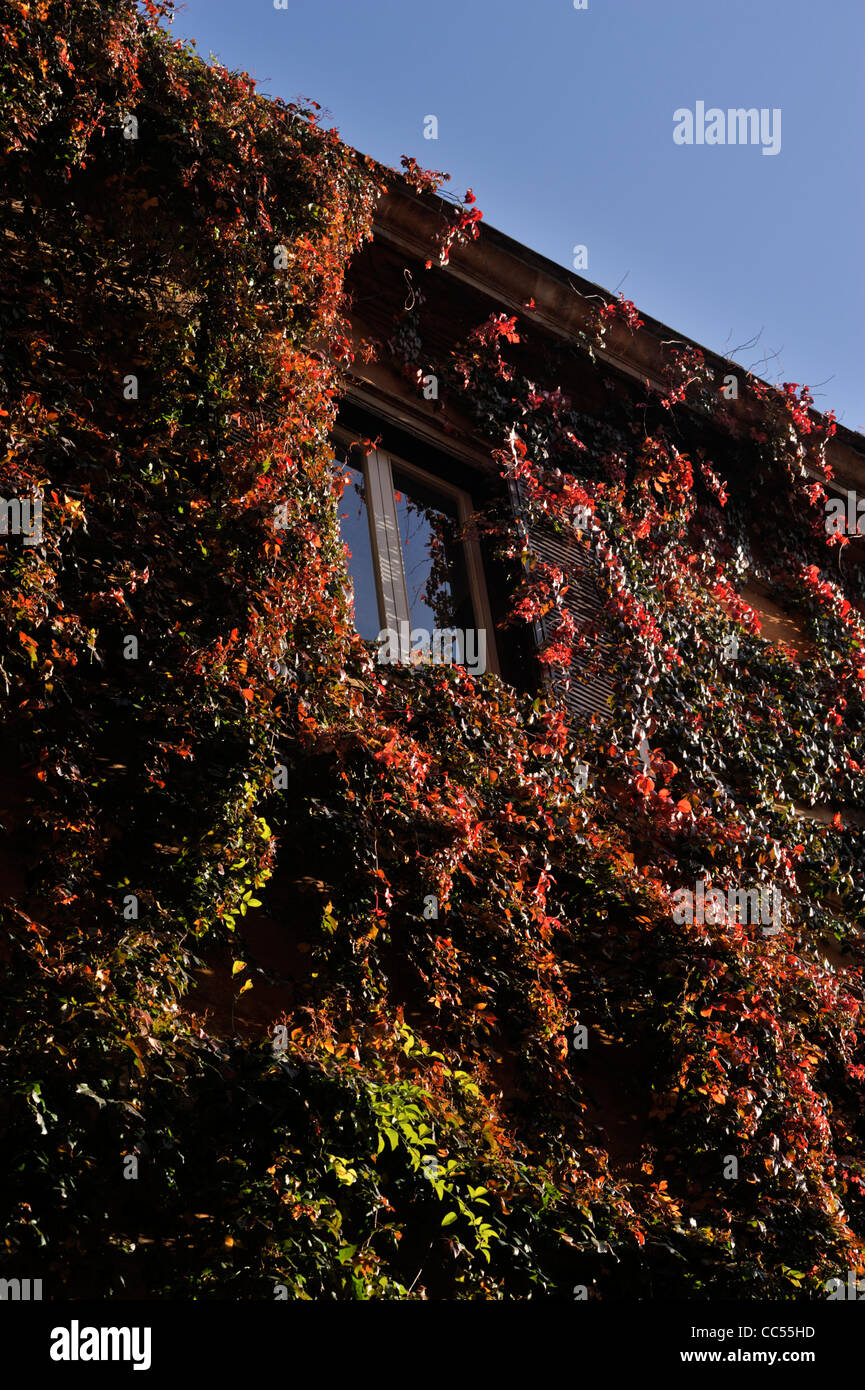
x=192, y=729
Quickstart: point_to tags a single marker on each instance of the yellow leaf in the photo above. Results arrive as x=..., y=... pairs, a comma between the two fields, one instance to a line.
x=237, y=966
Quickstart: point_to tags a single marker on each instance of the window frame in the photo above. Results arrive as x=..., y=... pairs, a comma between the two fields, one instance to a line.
x=386, y=542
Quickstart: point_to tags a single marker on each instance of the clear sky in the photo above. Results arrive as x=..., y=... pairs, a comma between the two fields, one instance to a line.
x=561, y=121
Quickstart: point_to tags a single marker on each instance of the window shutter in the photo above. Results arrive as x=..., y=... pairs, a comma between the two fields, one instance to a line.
x=587, y=688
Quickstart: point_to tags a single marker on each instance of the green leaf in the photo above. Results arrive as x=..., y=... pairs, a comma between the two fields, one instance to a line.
x=450, y=1218
x=84, y=1090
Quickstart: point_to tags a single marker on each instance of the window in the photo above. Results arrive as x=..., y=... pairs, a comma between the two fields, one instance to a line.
x=354, y=524
x=417, y=577
x=587, y=688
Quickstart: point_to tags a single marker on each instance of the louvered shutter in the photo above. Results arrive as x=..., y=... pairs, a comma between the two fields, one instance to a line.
x=587, y=688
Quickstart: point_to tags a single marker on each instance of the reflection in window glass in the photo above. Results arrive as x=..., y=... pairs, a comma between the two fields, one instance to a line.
x=435, y=577
x=354, y=526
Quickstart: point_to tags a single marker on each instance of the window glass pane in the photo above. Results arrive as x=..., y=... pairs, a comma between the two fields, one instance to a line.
x=435, y=574
x=354, y=526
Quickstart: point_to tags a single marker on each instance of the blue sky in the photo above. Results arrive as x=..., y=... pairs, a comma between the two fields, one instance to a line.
x=562, y=122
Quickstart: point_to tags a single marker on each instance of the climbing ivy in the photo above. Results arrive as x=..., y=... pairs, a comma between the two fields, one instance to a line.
x=174, y=345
